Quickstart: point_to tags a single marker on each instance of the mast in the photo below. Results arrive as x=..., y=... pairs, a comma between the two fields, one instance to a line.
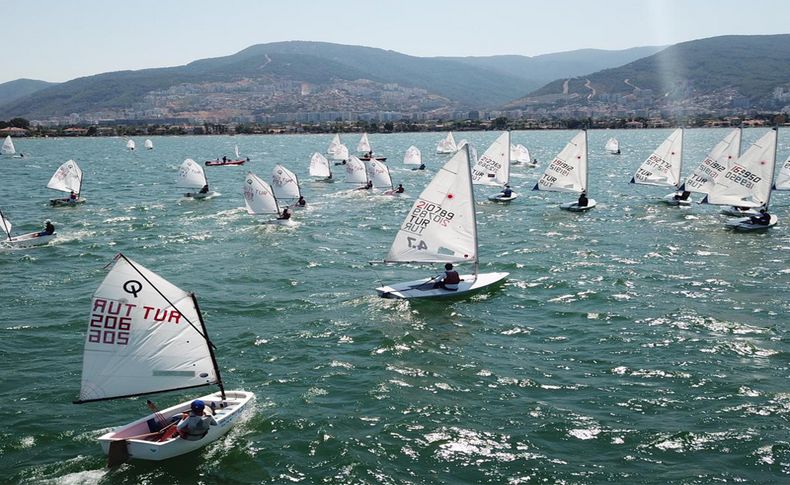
x=472, y=201
x=8, y=232
x=209, y=345
x=773, y=169
x=680, y=171
x=586, y=163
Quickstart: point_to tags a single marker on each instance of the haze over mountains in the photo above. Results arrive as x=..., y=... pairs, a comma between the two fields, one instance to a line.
x=335, y=80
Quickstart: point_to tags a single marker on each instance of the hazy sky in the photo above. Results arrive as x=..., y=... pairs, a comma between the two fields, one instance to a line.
x=58, y=40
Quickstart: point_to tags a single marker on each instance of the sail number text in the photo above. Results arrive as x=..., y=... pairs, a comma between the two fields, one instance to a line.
x=423, y=213
x=111, y=320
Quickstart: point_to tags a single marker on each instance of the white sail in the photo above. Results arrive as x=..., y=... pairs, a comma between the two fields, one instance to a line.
x=8, y=146
x=319, y=166
x=236, y=150
x=191, y=175
x=341, y=153
x=472, y=149
x=356, y=172
x=130, y=144
x=783, y=179
x=747, y=183
x=364, y=144
x=379, y=174
x=663, y=166
x=149, y=145
x=5, y=225
x=145, y=335
x=259, y=196
x=704, y=177
x=440, y=227
x=67, y=177
x=612, y=145
x=493, y=168
x=568, y=171
x=447, y=145
x=334, y=145
x=519, y=154
x=412, y=156
x=284, y=183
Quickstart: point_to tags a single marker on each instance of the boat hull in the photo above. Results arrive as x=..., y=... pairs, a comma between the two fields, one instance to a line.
x=574, y=206
x=736, y=212
x=66, y=202
x=502, y=198
x=671, y=200
x=198, y=195
x=215, y=163
x=27, y=240
x=745, y=224
x=423, y=288
x=144, y=449
x=367, y=159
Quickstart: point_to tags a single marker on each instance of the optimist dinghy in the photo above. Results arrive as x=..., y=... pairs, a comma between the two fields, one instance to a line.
x=67, y=178
x=192, y=176
x=23, y=240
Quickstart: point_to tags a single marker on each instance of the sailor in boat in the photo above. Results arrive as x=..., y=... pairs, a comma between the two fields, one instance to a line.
x=507, y=191
x=195, y=426
x=301, y=202
x=421, y=167
x=224, y=159
x=72, y=198
x=367, y=186
x=400, y=189
x=763, y=219
x=49, y=229
x=204, y=190
x=450, y=280
x=682, y=195
x=583, y=201
x=285, y=215
x=339, y=163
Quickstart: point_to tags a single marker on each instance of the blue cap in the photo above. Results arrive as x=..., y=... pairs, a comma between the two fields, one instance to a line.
x=197, y=405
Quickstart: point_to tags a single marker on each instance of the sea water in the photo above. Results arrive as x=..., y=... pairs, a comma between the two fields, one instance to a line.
x=635, y=343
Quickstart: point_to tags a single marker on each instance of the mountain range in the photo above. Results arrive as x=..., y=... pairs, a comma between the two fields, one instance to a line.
x=317, y=77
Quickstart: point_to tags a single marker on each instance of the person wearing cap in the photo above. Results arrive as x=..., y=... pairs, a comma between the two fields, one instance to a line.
x=195, y=426
x=49, y=229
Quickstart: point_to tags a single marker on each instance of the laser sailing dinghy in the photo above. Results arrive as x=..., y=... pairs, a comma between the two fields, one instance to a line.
x=192, y=176
x=23, y=240
x=67, y=178
x=568, y=173
x=440, y=228
x=720, y=158
x=493, y=169
x=145, y=336
x=663, y=168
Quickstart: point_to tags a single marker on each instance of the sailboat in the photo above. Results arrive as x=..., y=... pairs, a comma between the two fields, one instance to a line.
x=259, y=199
x=520, y=155
x=336, y=149
x=379, y=175
x=720, y=158
x=412, y=156
x=130, y=144
x=285, y=185
x=191, y=176
x=493, y=168
x=357, y=173
x=319, y=168
x=568, y=173
x=783, y=179
x=447, y=145
x=8, y=146
x=440, y=228
x=663, y=168
x=747, y=183
x=612, y=146
x=67, y=178
x=364, y=147
x=146, y=335
x=23, y=240
x=149, y=145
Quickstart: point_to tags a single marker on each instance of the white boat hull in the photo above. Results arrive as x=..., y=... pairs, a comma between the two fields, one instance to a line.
x=27, y=240
x=143, y=449
x=574, y=206
x=66, y=202
x=736, y=212
x=745, y=224
x=671, y=200
x=198, y=195
x=424, y=288
x=502, y=198
x=280, y=222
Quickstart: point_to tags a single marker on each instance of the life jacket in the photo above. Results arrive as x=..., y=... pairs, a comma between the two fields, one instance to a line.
x=451, y=277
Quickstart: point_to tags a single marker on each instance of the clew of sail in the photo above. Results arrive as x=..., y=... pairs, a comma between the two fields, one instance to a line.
x=319, y=166
x=67, y=178
x=284, y=183
x=704, y=177
x=747, y=183
x=663, y=166
x=440, y=227
x=145, y=335
x=356, y=172
x=191, y=175
x=568, y=171
x=412, y=156
x=259, y=196
x=8, y=146
x=379, y=174
x=493, y=168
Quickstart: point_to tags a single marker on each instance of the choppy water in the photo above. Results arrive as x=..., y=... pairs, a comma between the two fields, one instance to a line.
x=636, y=343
